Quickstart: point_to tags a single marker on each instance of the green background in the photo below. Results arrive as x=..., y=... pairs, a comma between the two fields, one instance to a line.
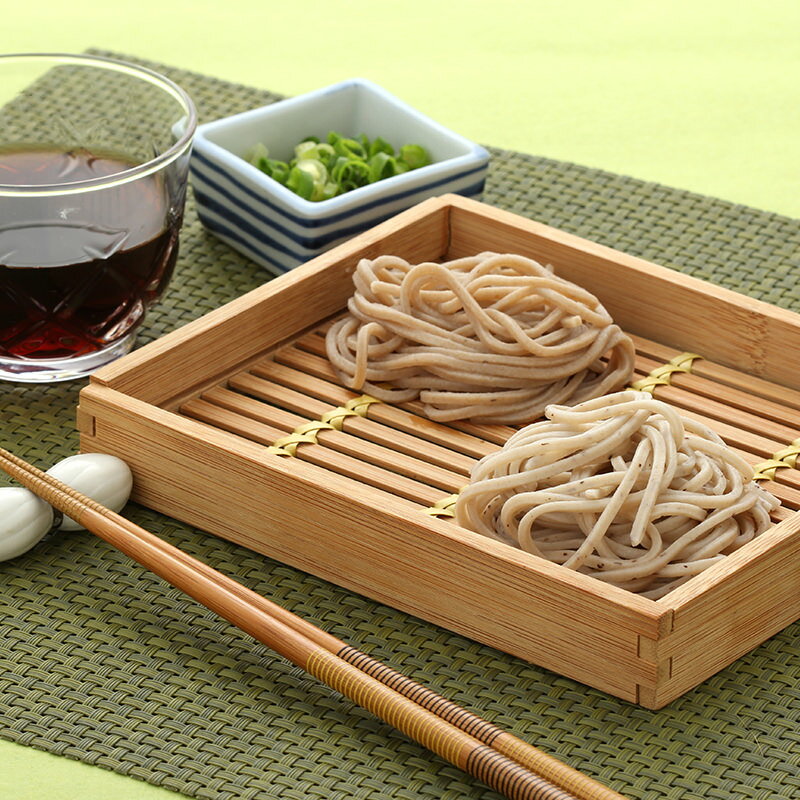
x=701, y=96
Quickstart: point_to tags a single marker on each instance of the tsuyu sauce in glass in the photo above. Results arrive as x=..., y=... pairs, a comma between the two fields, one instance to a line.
x=81, y=280
x=94, y=161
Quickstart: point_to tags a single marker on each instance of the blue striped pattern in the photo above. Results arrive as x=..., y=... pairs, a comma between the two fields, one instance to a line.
x=280, y=240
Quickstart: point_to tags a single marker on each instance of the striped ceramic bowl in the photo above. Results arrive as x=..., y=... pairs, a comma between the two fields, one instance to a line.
x=278, y=229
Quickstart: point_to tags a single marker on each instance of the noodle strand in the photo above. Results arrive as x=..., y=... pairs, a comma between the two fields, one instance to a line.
x=619, y=487
x=493, y=338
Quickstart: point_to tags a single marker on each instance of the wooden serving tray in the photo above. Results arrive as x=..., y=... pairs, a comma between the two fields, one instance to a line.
x=236, y=424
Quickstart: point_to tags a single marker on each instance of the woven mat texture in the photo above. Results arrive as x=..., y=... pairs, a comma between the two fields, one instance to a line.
x=103, y=662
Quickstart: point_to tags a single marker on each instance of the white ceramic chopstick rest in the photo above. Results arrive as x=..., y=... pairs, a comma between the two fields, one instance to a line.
x=106, y=479
x=24, y=520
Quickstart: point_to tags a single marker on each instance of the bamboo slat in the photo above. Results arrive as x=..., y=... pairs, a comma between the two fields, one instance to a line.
x=723, y=376
x=764, y=416
x=362, y=427
x=322, y=456
x=293, y=368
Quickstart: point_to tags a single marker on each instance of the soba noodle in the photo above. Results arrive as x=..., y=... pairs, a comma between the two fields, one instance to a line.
x=494, y=338
x=621, y=487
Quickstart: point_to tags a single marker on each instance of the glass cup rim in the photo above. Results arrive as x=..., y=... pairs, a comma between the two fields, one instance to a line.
x=124, y=176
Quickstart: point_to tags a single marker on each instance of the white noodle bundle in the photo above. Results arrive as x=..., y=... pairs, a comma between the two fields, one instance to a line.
x=494, y=338
x=621, y=487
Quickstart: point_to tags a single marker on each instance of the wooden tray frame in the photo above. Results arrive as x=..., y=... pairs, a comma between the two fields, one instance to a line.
x=373, y=541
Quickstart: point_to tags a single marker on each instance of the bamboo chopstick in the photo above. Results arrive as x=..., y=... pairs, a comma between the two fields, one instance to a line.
x=507, y=764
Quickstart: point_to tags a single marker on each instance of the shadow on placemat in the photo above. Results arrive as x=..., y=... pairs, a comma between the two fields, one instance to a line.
x=103, y=662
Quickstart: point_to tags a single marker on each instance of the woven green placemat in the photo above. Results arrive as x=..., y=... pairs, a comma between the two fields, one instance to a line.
x=103, y=662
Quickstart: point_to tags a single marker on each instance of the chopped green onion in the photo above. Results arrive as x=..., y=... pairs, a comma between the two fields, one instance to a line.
x=279, y=170
x=321, y=170
x=300, y=182
x=350, y=174
x=320, y=151
x=316, y=169
x=330, y=189
x=350, y=148
x=257, y=152
x=379, y=145
x=415, y=156
x=381, y=166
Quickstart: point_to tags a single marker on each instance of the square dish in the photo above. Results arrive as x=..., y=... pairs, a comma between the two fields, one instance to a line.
x=361, y=504
x=278, y=229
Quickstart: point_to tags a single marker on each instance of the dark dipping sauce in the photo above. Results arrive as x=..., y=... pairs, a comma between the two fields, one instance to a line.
x=82, y=279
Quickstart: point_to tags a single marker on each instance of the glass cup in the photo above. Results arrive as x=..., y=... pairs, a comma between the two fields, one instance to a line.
x=94, y=156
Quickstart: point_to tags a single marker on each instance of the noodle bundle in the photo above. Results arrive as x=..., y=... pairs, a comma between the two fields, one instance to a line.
x=620, y=487
x=493, y=338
